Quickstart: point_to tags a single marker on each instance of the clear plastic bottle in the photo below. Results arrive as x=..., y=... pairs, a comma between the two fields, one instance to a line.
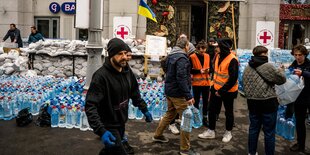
x=7, y=111
x=1, y=108
x=197, y=119
x=54, y=117
x=84, y=121
x=186, y=123
x=132, y=110
x=290, y=129
x=139, y=115
x=157, y=111
x=78, y=117
x=62, y=117
x=69, y=118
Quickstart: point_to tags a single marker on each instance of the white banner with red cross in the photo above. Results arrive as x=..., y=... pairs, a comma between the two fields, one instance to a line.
x=122, y=27
x=265, y=33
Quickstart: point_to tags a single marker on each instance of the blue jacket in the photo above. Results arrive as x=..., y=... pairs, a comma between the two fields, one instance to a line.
x=35, y=37
x=178, y=79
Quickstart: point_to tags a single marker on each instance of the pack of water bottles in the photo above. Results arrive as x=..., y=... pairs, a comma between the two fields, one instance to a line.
x=153, y=94
x=285, y=127
x=67, y=109
x=243, y=57
x=18, y=92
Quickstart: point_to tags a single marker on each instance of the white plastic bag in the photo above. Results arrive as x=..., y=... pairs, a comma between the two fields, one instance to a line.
x=290, y=90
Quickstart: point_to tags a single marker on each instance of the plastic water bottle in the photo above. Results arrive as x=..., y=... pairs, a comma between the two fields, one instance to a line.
x=35, y=106
x=84, y=121
x=294, y=78
x=186, y=123
x=1, y=109
x=157, y=111
x=132, y=110
x=282, y=126
x=7, y=112
x=54, y=117
x=69, y=118
x=78, y=117
x=139, y=115
x=62, y=117
x=197, y=120
x=290, y=129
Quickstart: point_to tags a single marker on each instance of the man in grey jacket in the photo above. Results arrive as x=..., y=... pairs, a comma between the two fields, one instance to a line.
x=259, y=79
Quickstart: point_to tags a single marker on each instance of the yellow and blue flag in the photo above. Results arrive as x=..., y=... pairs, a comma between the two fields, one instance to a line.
x=146, y=11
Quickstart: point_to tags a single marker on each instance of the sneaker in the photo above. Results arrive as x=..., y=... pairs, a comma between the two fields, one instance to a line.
x=297, y=148
x=208, y=134
x=173, y=128
x=128, y=148
x=161, y=139
x=227, y=137
x=189, y=152
x=253, y=154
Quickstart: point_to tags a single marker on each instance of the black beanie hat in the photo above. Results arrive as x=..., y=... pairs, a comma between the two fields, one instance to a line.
x=116, y=45
x=225, y=45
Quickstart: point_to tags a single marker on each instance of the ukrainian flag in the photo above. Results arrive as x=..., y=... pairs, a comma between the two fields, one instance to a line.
x=146, y=11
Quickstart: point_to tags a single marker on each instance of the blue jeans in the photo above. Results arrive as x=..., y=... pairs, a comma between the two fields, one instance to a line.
x=268, y=120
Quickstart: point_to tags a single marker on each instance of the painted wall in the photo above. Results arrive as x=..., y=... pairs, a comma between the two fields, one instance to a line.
x=253, y=11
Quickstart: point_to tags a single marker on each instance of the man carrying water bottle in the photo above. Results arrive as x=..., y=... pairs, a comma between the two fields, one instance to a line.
x=177, y=90
x=107, y=99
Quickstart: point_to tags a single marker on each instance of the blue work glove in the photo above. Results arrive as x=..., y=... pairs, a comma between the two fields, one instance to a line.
x=148, y=116
x=107, y=139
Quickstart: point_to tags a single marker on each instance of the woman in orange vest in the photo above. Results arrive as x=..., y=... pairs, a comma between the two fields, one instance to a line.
x=201, y=81
x=224, y=89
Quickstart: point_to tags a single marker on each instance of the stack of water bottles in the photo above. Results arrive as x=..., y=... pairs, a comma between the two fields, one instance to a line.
x=191, y=117
x=153, y=94
x=243, y=56
x=68, y=107
x=285, y=127
x=18, y=92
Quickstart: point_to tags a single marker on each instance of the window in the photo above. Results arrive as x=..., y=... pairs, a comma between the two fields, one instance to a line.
x=295, y=1
x=48, y=26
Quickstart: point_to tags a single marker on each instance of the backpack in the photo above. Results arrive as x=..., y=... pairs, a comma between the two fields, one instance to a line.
x=44, y=118
x=24, y=117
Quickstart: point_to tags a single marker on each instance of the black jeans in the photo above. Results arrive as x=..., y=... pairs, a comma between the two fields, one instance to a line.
x=118, y=148
x=197, y=91
x=214, y=106
x=301, y=115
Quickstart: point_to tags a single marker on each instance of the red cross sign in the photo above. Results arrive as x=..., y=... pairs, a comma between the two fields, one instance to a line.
x=122, y=31
x=264, y=37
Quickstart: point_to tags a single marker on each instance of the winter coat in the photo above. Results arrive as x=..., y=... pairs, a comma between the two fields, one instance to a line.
x=178, y=79
x=14, y=34
x=304, y=97
x=254, y=85
x=108, y=96
x=34, y=37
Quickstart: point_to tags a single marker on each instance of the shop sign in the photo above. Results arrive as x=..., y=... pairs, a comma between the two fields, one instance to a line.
x=68, y=7
x=265, y=33
x=304, y=12
x=54, y=7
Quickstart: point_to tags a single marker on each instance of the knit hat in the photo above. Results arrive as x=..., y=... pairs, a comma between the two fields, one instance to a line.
x=225, y=44
x=116, y=45
x=191, y=48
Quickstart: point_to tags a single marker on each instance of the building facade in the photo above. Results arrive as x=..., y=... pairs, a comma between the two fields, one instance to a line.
x=192, y=17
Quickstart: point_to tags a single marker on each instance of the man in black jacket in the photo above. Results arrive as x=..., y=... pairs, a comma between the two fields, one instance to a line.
x=177, y=90
x=107, y=99
x=301, y=67
x=14, y=35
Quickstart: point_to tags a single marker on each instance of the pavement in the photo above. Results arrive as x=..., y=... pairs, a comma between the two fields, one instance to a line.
x=34, y=140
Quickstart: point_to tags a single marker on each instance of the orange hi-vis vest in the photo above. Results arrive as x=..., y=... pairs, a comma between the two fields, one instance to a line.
x=201, y=79
x=221, y=74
